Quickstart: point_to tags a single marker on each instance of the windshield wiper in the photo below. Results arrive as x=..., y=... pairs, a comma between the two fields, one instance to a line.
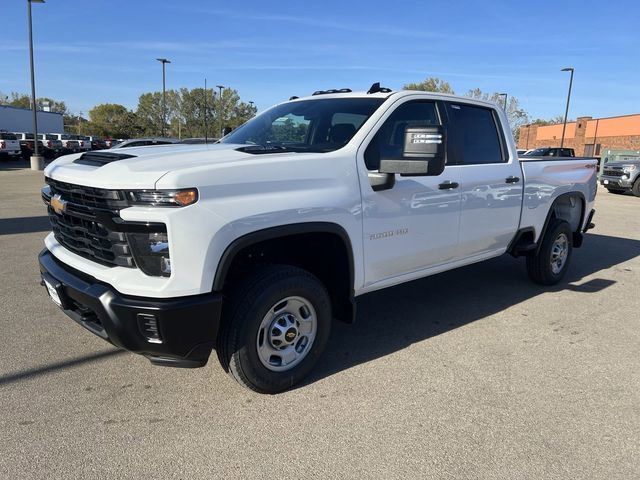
x=262, y=149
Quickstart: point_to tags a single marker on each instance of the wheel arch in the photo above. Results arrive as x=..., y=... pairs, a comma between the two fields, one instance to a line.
x=342, y=292
x=570, y=207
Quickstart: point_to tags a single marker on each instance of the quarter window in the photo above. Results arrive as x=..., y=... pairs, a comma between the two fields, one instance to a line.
x=473, y=135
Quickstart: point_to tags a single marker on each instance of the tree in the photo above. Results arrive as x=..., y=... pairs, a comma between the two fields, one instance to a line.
x=431, y=84
x=22, y=100
x=186, y=112
x=553, y=121
x=516, y=115
x=114, y=120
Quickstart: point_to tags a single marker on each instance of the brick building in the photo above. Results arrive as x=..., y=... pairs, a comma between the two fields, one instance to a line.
x=587, y=136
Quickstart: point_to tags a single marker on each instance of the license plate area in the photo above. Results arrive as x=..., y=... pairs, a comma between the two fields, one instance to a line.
x=54, y=289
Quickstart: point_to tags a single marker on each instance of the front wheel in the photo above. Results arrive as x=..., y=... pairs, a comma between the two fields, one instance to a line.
x=636, y=188
x=548, y=266
x=275, y=328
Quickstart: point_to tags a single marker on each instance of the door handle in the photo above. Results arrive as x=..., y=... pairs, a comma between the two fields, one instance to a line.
x=448, y=185
x=512, y=179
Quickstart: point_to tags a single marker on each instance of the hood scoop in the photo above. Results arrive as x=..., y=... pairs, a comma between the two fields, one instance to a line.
x=99, y=159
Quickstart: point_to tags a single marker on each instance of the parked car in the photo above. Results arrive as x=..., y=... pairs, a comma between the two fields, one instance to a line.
x=84, y=143
x=9, y=145
x=252, y=246
x=69, y=143
x=145, y=142
x=112, y=142
x=52, y=143
x=621, y=177
x=550, y=152
x=27, y=148
x=98, y=143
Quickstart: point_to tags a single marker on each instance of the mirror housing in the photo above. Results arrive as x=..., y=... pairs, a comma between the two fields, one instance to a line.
x=424, y=153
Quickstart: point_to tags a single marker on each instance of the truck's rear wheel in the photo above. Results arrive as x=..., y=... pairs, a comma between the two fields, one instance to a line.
x=549, y=265
x=276, y=326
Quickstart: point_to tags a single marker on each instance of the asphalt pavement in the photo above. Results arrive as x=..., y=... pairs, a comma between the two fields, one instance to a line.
x=471, y=374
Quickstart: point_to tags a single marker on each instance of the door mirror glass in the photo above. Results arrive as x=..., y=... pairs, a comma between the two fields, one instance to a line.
x=423, y=152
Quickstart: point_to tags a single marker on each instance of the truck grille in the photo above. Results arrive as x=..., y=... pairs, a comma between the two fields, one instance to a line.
x=85, y=225
x=613, y=173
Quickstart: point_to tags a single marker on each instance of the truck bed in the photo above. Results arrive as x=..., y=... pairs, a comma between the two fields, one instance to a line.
x=545, y=180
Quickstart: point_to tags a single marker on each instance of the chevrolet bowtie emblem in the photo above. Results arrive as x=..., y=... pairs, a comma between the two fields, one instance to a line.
x=58, y=204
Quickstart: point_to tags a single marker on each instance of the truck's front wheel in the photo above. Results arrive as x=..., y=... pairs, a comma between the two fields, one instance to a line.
x=276, y=326
x=550, y=263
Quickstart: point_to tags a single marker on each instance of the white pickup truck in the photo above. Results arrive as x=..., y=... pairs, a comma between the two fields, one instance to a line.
x=252, y=246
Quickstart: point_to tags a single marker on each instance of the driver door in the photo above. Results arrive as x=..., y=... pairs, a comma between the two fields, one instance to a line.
x=413, y=225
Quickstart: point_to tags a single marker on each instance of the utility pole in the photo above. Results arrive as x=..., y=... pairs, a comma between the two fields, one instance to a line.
x=220, y=87
x=205, y=112
x=566, y=112
x=37, y=162
x=164, y=61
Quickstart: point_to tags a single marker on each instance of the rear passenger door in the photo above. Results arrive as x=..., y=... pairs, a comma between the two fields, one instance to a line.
x=491, y=186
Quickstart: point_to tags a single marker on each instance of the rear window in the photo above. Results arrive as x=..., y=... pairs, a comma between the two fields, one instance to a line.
x=8, y=136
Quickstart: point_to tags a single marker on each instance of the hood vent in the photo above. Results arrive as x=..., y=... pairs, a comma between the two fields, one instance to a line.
x=99, y=159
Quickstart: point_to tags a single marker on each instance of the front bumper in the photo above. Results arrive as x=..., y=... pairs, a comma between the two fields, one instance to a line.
x=615, y=182
x=187, y=326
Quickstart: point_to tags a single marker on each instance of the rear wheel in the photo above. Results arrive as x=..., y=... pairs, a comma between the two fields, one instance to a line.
x=549, y=265
x=616, y=191
x=636, y=188
x=275, y=328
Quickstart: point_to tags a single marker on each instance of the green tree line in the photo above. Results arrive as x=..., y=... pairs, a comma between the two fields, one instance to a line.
x=189, y=113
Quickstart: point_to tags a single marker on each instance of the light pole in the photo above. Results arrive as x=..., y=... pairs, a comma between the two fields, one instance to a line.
x=505, y=100
x=37, y=162
x=566, y=112
x=164, y=61
x=206, y=140
x=220, y=87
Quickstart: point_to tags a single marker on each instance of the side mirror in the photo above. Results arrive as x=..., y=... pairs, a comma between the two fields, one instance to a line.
x=424, y=153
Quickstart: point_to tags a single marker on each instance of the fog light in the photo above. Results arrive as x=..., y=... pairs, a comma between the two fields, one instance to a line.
x=148, y=325
x=151, y=252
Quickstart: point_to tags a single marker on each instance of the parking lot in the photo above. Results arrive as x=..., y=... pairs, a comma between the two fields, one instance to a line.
x=474, y=373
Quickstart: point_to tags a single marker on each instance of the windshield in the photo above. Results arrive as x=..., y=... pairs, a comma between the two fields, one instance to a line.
x=321, y=125
x=538, y=152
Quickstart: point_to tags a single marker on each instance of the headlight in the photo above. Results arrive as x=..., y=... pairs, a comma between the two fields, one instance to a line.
x=163, y=198
x=151, y=253
x=629, y=168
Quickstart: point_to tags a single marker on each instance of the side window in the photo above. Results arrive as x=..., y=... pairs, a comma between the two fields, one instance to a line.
x=473, y=135
x=389, y=140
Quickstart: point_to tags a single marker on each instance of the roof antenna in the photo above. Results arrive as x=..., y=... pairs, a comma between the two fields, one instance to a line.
x=375, y=88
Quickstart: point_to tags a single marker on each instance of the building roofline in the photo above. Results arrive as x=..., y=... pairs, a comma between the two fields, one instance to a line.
x=28, y=109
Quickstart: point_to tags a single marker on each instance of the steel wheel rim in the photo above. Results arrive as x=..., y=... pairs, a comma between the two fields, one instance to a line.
x=559, y=253
x=286, y=334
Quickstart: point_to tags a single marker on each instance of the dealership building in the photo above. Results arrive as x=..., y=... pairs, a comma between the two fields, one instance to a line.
x=587, y=136
x=14, y=119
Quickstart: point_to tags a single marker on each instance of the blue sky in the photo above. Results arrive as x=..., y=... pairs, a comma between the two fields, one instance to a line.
x=90, y=52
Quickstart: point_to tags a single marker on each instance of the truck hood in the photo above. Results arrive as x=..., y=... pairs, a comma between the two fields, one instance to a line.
x=144, y=167
x=622, y=164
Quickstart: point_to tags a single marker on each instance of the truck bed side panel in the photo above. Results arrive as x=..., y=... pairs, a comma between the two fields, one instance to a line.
x=546, y=180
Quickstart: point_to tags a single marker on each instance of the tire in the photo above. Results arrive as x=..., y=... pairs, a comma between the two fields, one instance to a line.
x=557, y=244
x=636, y=188
x=256, y=343
x=617, y=192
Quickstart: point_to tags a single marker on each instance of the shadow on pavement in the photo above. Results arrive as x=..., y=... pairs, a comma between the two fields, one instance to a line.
x=36, y=372
x=12, y=226
x=394, y=318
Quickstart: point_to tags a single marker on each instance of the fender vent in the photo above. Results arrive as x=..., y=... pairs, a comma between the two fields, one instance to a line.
x=99, y=159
